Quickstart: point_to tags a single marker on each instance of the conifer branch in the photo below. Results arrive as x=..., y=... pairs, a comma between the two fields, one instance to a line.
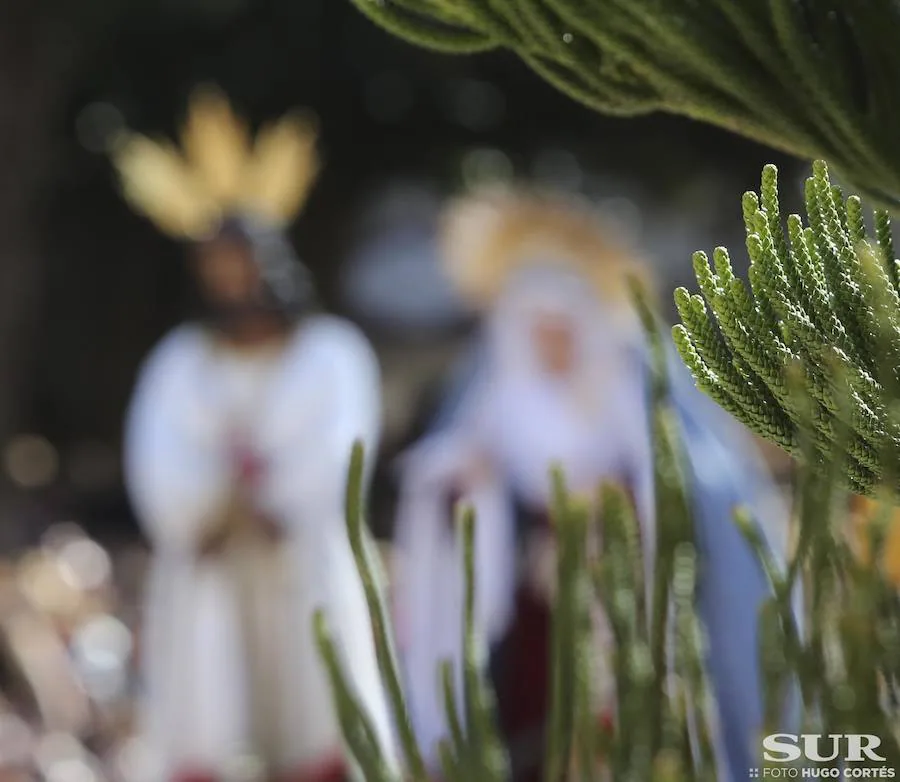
x=814, y=78
x=823, y=302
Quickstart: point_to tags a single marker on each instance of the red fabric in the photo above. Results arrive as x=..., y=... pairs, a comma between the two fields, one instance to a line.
x=525, y=699
x=523, y=691
x=194, y=776
x=523, y=686
x=606, y=722
x=331, y=770
x=249, y=466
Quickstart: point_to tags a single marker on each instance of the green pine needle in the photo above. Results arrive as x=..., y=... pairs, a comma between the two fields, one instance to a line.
x=814, y=79
x=823, y=298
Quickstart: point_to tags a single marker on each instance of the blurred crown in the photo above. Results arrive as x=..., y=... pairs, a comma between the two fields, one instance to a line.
x=492, y=234
x=220, y=170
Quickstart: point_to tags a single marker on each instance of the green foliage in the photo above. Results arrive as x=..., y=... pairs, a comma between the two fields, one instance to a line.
x=844, y=654
x=815, y=340
x=812, y=77
x=807, y=357
x=815, y=78
x=473, y=753
x=841, y=648
x=659, y=693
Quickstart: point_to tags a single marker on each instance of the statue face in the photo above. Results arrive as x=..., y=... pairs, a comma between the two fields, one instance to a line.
x=227, y=272
x=553, y=339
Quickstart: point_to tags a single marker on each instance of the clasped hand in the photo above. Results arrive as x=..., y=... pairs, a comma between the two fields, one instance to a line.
x=241, y=516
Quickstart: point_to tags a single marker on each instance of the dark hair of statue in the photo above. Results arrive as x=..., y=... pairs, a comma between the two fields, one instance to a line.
x=283, y=289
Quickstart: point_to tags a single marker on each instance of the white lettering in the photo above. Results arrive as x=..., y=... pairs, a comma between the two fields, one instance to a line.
x=863, y=744
x=859, y=748
x=781, y=748
x=811, y=746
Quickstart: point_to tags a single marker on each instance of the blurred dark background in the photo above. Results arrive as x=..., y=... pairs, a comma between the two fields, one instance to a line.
x=86, y=287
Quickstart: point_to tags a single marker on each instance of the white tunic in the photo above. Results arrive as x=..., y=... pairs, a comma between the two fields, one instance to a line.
x=300, y=407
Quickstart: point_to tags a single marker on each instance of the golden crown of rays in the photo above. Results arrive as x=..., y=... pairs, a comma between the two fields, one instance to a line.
x=491, y=234
x=220, y=169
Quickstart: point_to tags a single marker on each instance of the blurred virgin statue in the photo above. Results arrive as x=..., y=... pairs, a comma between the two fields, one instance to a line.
x=559, y=374
x=237, y=447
